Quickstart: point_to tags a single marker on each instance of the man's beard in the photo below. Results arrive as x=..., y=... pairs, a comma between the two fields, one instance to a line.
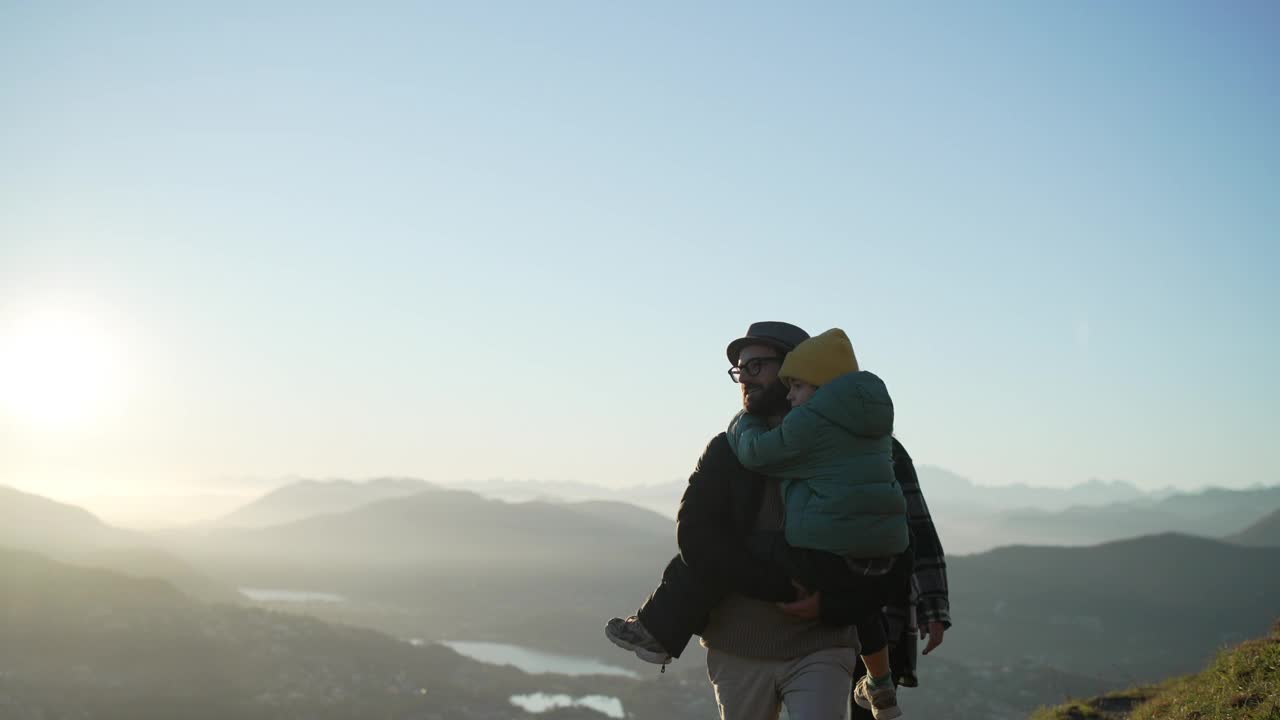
x=768, y=400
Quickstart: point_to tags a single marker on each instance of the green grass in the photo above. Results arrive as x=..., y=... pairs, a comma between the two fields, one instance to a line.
x=1242, y=683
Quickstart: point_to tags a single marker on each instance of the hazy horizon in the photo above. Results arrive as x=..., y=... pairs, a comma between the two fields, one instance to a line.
x=471, y=241
x=176, y=507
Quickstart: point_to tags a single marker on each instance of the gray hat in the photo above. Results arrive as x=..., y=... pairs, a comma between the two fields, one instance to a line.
x=778, y=335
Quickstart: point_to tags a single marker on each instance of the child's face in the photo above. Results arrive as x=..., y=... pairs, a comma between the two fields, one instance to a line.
x=800, y=393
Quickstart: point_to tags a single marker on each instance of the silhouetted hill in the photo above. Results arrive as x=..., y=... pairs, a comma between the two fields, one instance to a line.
x=449, y=563
x=1213, y=513
x=466, y=556
x=70, y=533
x=306, y=498
x=147, y=562
x=38, y=523
x=1153, y=605
x=445, y=528
x=77, y=642
x=628, y=516
x=1264, y=533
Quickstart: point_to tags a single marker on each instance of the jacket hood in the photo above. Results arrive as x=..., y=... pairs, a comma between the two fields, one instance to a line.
x=858, y=402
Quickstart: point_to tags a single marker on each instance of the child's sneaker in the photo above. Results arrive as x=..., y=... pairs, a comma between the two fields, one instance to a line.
x=881, y=701
x=630, y=634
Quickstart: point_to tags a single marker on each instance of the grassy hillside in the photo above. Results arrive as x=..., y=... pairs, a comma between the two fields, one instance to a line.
x=1242, y=683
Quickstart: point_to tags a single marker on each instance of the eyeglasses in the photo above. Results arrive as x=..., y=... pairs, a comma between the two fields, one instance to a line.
x=750, y=368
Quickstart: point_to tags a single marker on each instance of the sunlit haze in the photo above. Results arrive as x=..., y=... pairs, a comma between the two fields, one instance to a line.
x=241, y=244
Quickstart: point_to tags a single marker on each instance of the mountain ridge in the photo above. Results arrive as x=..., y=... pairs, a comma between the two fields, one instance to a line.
x=1263, y=533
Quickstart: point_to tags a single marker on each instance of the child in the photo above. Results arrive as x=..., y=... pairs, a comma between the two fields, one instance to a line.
x=845, y=516
x=833, y=454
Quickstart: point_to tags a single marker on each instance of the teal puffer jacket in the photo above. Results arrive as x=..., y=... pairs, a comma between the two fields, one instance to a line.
x=834, y=455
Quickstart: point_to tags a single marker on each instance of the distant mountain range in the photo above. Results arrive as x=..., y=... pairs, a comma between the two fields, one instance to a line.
x=449, y=563
x=1212, y=513
x=975, y=518
x=450, y=527
x=944, y=488
x=464, y=563
x=306, y=498
x=970, y=518
x=1044, y=604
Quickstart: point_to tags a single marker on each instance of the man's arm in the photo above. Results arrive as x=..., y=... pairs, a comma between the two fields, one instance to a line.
x=708, y=540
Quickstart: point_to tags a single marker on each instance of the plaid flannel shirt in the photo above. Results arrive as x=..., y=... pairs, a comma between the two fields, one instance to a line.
x=929, y=579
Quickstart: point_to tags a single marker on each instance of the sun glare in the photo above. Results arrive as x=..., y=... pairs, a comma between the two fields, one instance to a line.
x=57, y=369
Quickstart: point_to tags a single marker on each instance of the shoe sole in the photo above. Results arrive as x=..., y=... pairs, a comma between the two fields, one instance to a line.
x=644, y=654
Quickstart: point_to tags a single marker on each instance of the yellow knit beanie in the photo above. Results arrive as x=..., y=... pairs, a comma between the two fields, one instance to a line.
x=820, y=359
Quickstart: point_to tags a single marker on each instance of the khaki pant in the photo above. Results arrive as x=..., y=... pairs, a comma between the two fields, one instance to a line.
x=813, y=687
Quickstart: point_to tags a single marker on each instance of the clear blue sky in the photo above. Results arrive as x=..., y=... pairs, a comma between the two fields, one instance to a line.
x=479, y=240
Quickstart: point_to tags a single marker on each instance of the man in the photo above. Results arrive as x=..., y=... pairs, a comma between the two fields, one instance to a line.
x=929, y=601
x=769, y=641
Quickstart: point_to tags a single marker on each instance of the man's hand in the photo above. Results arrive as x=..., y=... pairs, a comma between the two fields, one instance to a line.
x=933, y=631
x=807, y=605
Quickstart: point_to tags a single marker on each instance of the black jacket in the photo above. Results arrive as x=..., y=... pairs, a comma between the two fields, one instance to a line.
x=717, y=515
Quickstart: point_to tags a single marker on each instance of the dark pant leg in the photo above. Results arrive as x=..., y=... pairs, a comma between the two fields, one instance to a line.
x=678, y=608
x=856, y=712
x=871, y=633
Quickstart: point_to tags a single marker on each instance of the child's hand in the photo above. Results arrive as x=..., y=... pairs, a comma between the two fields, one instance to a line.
x=807, y=606
x=802, y=592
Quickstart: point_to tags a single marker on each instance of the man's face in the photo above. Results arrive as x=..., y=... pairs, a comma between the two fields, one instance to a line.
x=762, y=392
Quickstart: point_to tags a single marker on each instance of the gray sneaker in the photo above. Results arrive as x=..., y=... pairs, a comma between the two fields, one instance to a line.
x=881, y=701
x=630, y=634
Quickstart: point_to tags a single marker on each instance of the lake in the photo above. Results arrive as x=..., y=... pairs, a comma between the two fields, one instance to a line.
x=542, y=702
x=534, y=662
x=289, y=596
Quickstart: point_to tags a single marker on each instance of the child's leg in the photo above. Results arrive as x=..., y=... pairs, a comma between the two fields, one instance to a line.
x=679, y=606
x=870, y=592
x=875, y=646
x=876, y=691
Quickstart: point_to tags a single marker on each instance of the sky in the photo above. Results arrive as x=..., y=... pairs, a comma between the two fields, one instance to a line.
x=241, y=242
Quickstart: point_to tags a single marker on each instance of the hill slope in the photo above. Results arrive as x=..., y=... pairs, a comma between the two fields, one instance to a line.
x=1242, y=683
x=536, y=573
x=1215, y=513
x=72, y=534
x=306, y=498
x=38, y=523
x=1060, y=605
x=78, y=642
x=1264, y=533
